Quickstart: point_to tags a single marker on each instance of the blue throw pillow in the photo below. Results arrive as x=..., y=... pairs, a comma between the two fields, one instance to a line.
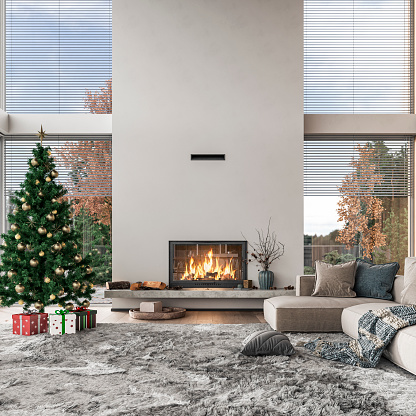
x=375, y=280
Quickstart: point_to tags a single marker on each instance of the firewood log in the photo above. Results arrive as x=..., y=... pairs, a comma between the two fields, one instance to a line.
x=135, y=286
x=155, y=285
x=121, y=284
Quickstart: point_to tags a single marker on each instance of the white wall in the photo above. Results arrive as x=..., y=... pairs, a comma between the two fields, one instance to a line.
x=199, y=76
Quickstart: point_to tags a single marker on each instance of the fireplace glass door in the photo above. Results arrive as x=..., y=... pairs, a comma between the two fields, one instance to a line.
x=207, y=263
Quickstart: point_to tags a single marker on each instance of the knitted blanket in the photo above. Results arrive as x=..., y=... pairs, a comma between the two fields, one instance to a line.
x=375, y=330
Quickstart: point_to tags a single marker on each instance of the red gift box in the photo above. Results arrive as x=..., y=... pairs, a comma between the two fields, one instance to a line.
x=30, y=323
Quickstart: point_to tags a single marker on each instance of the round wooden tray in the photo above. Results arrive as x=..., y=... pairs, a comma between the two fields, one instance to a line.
x=167, y=313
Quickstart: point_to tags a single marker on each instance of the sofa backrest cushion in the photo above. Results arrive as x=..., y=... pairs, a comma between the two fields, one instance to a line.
x=375, y=280
x=335, y=280
x=408, y=295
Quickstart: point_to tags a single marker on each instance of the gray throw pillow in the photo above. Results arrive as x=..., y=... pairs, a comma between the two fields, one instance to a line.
x=408, y=295
x=375, y=280
x=267, y=343
x=335, y=280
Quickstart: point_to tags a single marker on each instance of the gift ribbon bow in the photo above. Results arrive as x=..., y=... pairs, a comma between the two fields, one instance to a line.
x=30, y=312
x=62, y=313
x=81, y=309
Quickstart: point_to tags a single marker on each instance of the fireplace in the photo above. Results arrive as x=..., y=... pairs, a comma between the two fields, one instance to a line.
x=205, y=264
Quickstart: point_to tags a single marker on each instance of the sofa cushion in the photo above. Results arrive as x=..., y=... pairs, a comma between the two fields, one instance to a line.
x=375, y=280
x=401, y=349
x=334, y=280
x=308, y=313
x=408, y=295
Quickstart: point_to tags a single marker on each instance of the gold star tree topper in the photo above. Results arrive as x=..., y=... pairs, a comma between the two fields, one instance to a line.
x=41, y=134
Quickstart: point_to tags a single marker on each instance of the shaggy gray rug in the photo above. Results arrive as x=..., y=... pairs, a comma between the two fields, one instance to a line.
x=160, y=369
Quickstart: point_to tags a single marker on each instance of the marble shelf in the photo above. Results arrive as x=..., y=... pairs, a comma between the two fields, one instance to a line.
x=197, y=294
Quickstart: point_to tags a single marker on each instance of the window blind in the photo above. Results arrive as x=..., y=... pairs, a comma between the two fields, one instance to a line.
x=83, y=163
x=56, y=51
x=328, y=161
x=358, y=56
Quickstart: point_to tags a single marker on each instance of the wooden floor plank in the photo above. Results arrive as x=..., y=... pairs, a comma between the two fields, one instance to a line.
x=105, y=315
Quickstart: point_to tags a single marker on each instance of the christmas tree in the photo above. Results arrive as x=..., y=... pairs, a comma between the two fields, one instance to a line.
x=41, y=263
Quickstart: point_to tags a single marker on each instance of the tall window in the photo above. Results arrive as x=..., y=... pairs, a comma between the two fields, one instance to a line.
x=58, y=56
x=84, y=166
x=358, y=194
x=358, y=56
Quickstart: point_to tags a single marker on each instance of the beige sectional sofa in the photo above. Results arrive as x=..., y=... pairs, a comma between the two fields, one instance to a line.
x=306, y=313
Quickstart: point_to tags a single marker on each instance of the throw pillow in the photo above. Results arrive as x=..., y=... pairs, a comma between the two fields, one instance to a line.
x=375, y=280
x=409, y=290
x=267, y=343
x=334, y=280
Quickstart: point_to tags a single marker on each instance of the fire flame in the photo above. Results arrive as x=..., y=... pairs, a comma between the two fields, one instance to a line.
x=207, y=270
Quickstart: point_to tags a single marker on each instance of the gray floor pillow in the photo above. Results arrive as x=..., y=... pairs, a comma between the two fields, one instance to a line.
x=267, y=343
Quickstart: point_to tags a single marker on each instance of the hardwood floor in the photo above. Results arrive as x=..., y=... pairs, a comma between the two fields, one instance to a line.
x=105, y=315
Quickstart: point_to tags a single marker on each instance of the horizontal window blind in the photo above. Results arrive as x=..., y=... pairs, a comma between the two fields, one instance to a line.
x=56, y=51
x=328, y=160
x=83, y=163
x=358, y=56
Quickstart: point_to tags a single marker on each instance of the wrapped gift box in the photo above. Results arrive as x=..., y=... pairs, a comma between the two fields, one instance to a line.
x=30, y=323
x=62, y=322
x=82, y=318
x=91, y=318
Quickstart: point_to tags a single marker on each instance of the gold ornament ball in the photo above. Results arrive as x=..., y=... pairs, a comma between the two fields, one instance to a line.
x=49, y=152
x=40, y=193
x=21, y=246
x=26, y=207
x=17, y=237
x=91, y=285
x=14, y=227
x=49, y=235
x=76, y=285
x=84, y=288
x=61, y=292
x=15, y=211
x=59, y=305
x=4, y=244
x=54, y=211
x=19, y=288
x=78, y=258
x=38, y=305
x=23, y=199
x=42, y=230
x=48, y=179
x=88, y=270
x=57, y=247
x=86, y=304
x=41, y=253
x=75, y=246
x=59, y=271
x=46, y=279
x=34, y=262
x=69, y=306
x=66, y=229
x=54, y=173
x=52, y=297
x=34, y=162
x=11, y=273
x=37, y=182
x=29, y=247
x=63, y=244
x=27, y=193
x=50, y=217
x=21, y=302
x=53, y=200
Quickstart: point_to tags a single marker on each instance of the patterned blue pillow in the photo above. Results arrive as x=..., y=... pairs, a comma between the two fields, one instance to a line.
x=375, y=280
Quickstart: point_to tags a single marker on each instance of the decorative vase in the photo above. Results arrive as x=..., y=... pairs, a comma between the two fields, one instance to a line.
x=266, y=278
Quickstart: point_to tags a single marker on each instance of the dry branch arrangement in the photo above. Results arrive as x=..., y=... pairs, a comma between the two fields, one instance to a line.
x=267, y=250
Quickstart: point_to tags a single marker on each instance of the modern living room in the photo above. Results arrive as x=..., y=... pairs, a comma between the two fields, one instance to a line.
x=207, y=207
